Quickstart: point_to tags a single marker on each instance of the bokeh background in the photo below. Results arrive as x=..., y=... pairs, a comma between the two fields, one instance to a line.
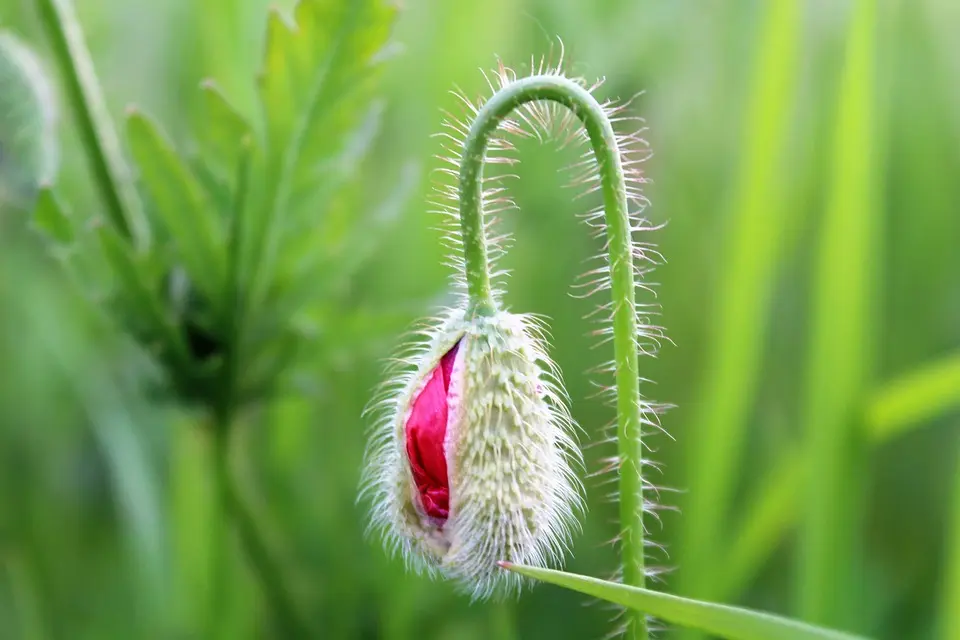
x=108, y=524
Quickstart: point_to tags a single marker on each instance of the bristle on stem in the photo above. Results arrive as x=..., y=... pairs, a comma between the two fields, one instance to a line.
x=535, y=103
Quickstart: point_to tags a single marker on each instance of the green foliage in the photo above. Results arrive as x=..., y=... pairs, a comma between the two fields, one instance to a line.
x=353, y=259
x=914, y=399
x=841, y=360
x=716, y=619
x=210, y=293
x=753, y=257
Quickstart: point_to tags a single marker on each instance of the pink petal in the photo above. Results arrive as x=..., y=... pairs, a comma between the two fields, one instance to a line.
x=425, y=431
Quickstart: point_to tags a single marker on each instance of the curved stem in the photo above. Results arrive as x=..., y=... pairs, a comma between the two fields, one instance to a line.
x=603, y=140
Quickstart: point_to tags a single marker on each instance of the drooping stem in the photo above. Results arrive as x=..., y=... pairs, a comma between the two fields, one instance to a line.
x=606, y=151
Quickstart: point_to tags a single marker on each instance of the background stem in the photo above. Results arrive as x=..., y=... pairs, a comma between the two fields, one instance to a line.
x=262, y=562
x=603, y=141
x=100, y=141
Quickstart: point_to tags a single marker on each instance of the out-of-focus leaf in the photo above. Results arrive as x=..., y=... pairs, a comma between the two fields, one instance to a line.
x=222, y=130
x=140, y=297
x=753, y=257
x=717, y=619
x=914, y=398
x=181, y=205
x=50, y=218
x=771, y=513
x=316, y=77
x=339, y=254
x=841, y=350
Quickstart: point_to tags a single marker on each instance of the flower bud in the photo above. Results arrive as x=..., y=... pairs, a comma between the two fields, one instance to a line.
x=471, y=462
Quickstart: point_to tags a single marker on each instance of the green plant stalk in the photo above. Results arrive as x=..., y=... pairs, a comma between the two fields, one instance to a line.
x=742, y=304
x=267, y=569
x=603, y=140
x=840, y=346
x=100, y=140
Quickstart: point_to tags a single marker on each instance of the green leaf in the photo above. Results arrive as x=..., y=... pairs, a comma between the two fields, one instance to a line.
x=753, y=255
x=772, y=511
x=914, y=398
x=182, y=206
x=841, y=351
x=718, y=619
x=317, y=73
x=893, y=409
x=50, y=218
x=223, y=129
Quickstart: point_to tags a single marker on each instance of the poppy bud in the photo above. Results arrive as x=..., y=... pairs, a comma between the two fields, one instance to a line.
x=471, y=462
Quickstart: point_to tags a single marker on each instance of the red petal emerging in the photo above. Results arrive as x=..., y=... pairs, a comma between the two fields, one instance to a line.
x=425, y=431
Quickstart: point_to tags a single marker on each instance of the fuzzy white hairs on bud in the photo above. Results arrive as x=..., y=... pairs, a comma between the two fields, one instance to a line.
x=510, y=450
x=511, y=456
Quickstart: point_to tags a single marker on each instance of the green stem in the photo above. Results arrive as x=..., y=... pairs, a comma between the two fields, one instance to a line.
x=606, y=150
x=100, y=140
x=503, y=621
x=264, y=565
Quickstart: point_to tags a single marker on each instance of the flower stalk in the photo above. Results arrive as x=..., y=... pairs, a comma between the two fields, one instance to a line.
x=605, y=145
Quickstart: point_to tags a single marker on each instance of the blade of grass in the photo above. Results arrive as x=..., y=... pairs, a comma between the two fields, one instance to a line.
x=914, y=399
x=772, y=512
x=894, y=409
x=840, y=353
x=742, y=302
x=100, y=140
x=717, y=619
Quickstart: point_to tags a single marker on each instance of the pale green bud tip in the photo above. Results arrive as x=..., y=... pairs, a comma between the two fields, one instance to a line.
x=472, y=459
x=28, y=145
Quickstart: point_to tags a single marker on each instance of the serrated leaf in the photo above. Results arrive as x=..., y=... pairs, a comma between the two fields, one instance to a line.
x=181, y=205
x=725, y=621
x=50, y=218
x=312, y=88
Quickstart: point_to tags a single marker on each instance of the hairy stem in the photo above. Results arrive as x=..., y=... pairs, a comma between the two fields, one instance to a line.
x=606, y=150
x=100, y=140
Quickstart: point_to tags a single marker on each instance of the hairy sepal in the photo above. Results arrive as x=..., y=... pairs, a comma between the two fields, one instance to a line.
x=511, y=455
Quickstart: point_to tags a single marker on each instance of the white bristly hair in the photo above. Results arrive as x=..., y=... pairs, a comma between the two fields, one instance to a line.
x=479, y=532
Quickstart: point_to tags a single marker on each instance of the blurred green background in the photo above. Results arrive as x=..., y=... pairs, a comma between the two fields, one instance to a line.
x=791, y=318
